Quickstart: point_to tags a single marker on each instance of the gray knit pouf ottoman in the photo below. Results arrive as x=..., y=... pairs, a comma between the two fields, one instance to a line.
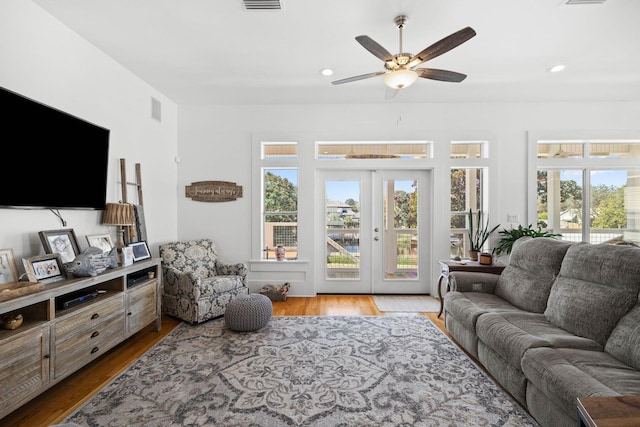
x=248, y=312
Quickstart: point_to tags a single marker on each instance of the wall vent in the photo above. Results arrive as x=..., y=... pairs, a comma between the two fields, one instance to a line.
x=585, y=1
x=156, y=109
x=262, y=4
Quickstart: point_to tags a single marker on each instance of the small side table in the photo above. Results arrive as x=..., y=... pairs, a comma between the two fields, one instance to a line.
x=609, y=411
x=447, y=266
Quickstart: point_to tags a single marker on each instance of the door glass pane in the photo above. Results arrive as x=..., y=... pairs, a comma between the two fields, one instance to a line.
x=343, y=229
x=560, y=202
x=615, y=207
x=400, y=238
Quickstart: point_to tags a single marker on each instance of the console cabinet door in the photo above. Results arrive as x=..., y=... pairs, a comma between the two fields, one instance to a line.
x=24, y=367
x=142, y=306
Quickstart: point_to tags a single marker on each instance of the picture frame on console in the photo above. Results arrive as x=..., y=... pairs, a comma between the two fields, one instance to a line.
x=140, y=250
x=44, y=268
x=62, y=242
x=127, y=255
x=8, y=267
x=101, y=241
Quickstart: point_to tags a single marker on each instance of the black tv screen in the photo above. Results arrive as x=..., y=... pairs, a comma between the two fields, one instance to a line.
x=60, y=161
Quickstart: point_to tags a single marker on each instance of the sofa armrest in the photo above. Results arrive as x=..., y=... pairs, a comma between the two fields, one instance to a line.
x=467, y=281
x=223, y=269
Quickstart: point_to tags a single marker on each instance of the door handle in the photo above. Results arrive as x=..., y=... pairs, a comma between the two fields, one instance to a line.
x=376, y=238
x=376, y=229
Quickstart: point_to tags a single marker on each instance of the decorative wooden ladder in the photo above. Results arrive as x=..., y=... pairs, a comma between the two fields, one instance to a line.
x=124, y=182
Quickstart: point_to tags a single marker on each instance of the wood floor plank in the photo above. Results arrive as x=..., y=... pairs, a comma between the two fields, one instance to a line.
x=52, y=406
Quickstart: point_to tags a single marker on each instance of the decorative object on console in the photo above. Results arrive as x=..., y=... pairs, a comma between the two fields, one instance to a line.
x=102, y=241
x=140, y=251
x=44, y=268
x=213, y=191
x=92, y=261
x=63, y=242
x=486, y=258
x=11, y=321
x=127, y=255
x=17, y=289
x=8, y=268
x=120, y=214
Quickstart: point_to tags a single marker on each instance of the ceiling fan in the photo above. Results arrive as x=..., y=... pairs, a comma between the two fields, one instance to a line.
x=401, y=68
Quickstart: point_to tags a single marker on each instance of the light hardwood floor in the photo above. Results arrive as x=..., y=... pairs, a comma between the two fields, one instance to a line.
x=56, y=403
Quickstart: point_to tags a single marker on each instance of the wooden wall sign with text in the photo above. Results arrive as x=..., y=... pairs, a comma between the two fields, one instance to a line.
x=213, y=191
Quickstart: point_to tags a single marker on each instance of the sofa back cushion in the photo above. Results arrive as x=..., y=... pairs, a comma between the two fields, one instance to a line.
x=597, y=285
x=196, y=256
x=533, y=266
x=624, y=341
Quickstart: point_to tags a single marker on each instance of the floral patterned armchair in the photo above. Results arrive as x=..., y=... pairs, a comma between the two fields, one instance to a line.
x=197, y=285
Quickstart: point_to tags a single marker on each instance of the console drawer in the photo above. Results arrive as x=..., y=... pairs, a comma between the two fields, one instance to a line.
x=83, y=347
x=87, y=318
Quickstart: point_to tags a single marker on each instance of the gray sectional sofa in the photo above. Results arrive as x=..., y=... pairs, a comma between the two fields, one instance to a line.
x=562, y=321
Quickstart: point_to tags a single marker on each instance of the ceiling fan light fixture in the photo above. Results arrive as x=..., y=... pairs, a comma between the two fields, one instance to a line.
x=400, y=78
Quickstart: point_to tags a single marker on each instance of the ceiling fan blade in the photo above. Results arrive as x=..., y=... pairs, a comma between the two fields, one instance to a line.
x=442, y=75
x=375, y=48
x=443, y=46
x=356, y=78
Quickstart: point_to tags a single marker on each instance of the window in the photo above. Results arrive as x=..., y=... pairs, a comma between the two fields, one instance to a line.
x=280, y=211
x=589, y=190
x=468, y=190
x=373, y=150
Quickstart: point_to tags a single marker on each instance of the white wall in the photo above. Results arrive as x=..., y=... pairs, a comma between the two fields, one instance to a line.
x=44, y=60
x=215, y=144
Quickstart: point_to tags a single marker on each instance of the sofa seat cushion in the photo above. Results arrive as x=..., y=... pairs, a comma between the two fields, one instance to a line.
x=564, y=374
x=533, y=266
x=511, y=334
x=466, y=307
x=597, y=285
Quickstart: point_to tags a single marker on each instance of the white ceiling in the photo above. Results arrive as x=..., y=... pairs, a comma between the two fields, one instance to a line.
x=214, y=51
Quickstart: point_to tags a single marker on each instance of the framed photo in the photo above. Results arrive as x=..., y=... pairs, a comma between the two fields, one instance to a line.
x=63, y=242
x=127, y=255
x=8, y=267
x=102, y=241
x=140, y=250
x=44, y=268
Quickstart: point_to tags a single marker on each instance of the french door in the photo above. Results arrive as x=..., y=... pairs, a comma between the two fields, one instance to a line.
x=374, y=232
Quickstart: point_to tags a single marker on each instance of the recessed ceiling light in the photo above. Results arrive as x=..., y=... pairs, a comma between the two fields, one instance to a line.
x=556, y=68
x=326, y=71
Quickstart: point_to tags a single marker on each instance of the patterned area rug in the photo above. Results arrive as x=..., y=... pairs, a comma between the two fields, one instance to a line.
x=304, y=371
x=407, y=303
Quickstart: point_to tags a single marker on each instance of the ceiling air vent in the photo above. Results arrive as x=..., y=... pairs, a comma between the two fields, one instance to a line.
x=585, y=1
x=262, y=4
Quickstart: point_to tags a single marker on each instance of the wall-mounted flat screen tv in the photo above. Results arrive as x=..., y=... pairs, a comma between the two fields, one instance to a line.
x=59, y=161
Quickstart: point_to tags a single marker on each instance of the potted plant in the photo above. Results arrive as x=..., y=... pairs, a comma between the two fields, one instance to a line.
x=479, y=233
x=508, y=237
